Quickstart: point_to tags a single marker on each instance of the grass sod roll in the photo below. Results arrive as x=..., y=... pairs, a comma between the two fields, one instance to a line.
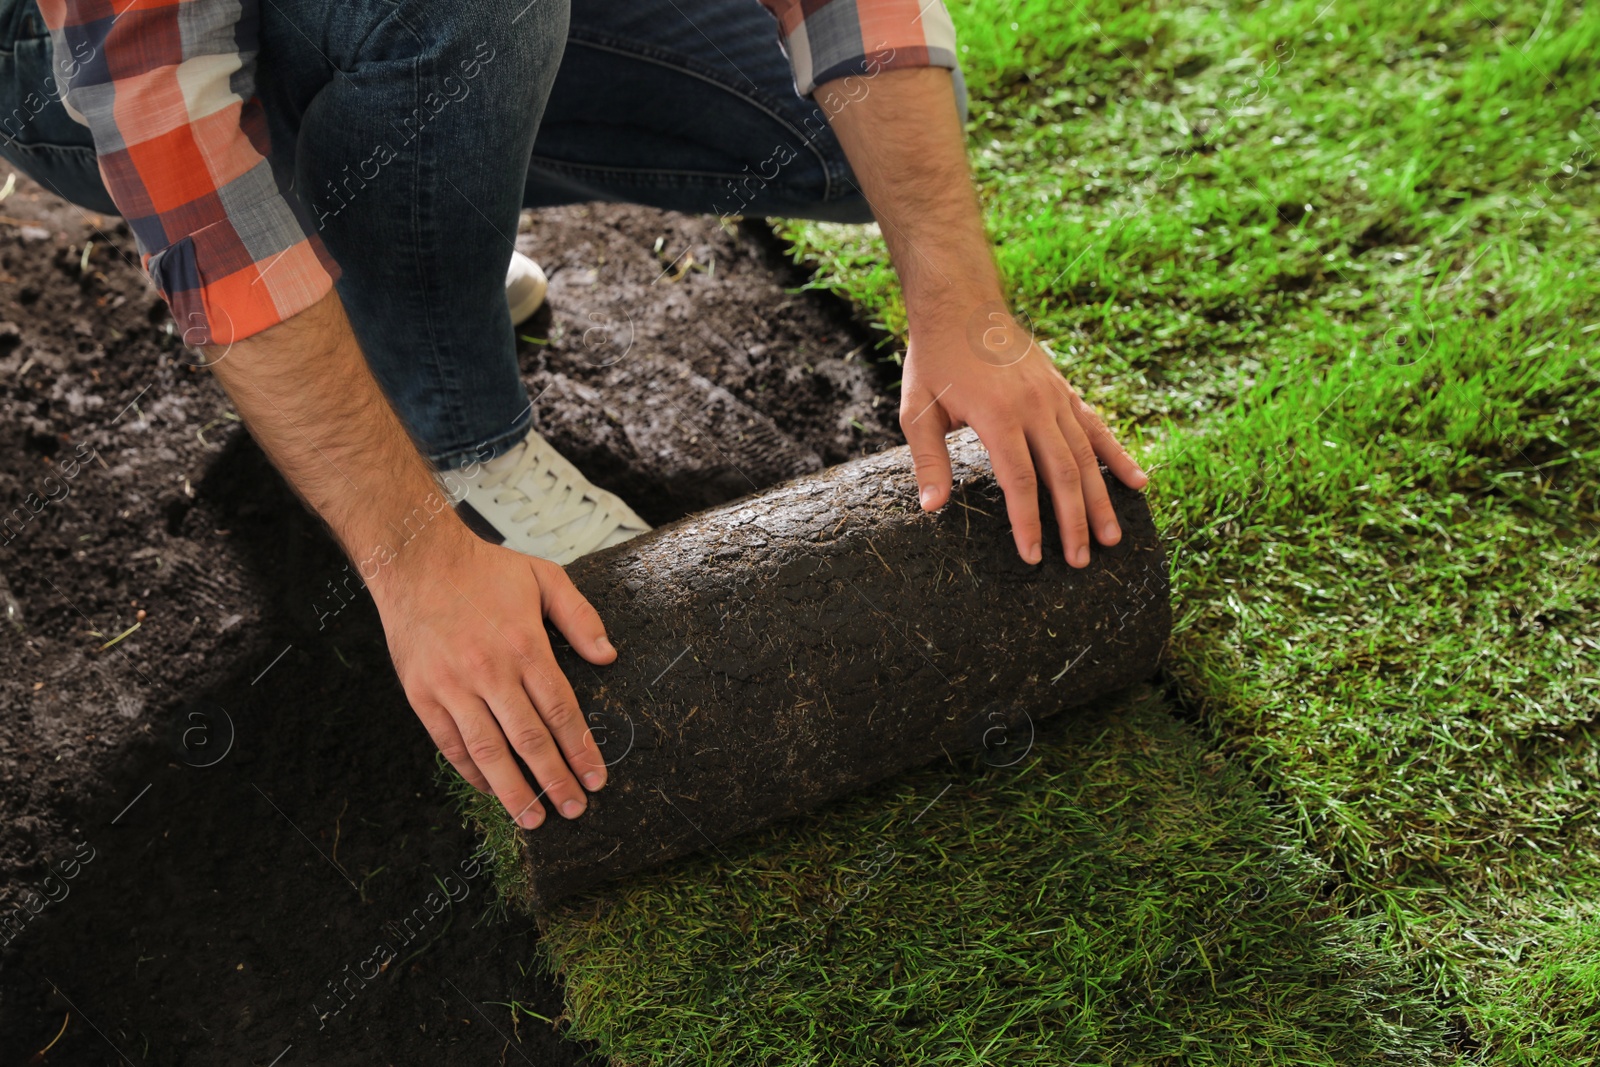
x=797, y=645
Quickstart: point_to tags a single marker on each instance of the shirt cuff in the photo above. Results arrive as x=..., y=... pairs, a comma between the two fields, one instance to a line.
x=243, y=273
x=839, y=39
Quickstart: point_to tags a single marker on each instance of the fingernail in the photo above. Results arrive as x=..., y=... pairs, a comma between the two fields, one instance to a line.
x=603, y=644
x=532, y=818
x=1034, y=553
x=572, y=809
x=1109, y=533
x=1138, y=472
x=925, y=496
x=1082, y=556
x=592, y=781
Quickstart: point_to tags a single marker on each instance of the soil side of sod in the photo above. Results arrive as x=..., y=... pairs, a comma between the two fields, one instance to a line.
x=224, y=837
x=790, y=648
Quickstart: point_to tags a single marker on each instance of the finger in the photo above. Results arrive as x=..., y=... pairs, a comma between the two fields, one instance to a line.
x=1106, y=446
x=559, y=738
x=577, y=620
x=1058, y=467
x=925, y=422
x=531, y=725
x=1013, y=469
x=572, y=613
x=1101, y=515
x=486, y=747
x=442, y=728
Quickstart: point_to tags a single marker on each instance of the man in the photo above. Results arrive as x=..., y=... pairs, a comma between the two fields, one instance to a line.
x=325, y=193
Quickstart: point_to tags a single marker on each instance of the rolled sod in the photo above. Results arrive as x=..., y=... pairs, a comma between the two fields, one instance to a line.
x=799, y=644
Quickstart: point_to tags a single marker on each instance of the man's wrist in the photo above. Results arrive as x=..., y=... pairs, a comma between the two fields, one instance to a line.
x=965, y=316
x=423, y=538
x=946, y=282
x=951, y=306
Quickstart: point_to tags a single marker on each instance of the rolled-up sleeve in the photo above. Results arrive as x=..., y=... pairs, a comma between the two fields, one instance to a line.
x=167, y=89
x=829, y=39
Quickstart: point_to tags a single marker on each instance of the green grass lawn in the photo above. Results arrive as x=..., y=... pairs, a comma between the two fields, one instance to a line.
x=1332, y=265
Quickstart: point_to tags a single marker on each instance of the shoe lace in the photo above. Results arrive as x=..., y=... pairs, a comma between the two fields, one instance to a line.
x=565, y=505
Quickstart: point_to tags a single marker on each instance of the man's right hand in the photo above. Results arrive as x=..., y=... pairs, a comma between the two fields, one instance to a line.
x=464, y=620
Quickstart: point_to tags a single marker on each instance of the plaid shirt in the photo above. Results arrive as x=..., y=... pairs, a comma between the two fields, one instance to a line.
x=829, y=39
x=167, y=89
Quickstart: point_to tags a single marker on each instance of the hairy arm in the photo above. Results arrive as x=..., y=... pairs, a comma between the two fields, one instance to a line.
x=309, y=399
x=464, y=618
x=968, y=361
x=168, y=93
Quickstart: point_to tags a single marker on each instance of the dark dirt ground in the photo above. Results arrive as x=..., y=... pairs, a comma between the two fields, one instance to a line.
x=219, y=816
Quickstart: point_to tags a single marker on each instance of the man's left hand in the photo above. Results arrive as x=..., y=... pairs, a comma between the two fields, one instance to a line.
x=988, y=373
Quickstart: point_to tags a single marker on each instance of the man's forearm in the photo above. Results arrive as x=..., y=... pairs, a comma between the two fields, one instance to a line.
x=904, y=140
x=465, y=620
x=968, y=362
x=306, y=393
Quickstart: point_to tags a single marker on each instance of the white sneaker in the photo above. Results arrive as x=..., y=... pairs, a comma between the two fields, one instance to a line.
x=540, y=505
x=525, y=287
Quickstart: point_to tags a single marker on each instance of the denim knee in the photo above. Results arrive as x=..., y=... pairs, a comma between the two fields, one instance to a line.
x=507, y=47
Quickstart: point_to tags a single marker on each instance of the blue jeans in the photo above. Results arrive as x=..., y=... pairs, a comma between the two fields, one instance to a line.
x=414, y=131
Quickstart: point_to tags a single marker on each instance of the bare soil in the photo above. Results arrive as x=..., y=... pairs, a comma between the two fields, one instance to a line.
x=224, y=838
